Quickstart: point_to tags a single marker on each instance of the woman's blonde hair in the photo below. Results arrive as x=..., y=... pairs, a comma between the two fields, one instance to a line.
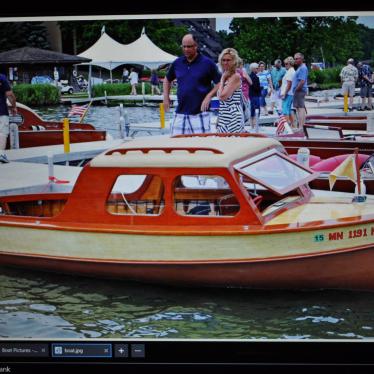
x=233, y=53
x=290, y=60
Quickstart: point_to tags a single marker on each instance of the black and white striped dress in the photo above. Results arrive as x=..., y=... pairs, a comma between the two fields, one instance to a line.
x=230, y=115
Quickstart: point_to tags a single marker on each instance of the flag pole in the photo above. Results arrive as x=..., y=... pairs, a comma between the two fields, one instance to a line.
x=358, y=172
x=85, y=112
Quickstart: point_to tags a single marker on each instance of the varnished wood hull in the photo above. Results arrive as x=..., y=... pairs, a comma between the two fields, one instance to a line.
x=251, y=261
x=349, y=270
x=326, y=148
x=54, y=137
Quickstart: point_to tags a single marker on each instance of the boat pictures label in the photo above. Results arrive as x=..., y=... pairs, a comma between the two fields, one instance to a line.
x=340, y=235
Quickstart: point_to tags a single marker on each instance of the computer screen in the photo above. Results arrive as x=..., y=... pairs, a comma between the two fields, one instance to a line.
x=160, y=251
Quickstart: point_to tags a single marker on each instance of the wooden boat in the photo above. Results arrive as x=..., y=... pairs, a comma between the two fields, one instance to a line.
x=179, y=212
x=33, y=131
x=326, y=148
x=346, y=122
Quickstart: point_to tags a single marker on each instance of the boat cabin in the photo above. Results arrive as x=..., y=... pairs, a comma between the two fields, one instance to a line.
x=210, y=181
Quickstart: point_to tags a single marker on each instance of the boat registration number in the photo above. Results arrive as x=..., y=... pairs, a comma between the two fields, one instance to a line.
x=340, y=235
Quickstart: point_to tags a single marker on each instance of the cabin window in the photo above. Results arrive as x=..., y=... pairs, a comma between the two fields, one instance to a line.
x=136, y=195
x=204, y=195
x=275, y=171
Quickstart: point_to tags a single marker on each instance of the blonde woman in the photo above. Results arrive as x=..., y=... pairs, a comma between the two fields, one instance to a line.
x=230, y=115
x=285, y=91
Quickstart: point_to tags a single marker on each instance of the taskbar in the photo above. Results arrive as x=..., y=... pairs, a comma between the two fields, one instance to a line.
x=50, y=356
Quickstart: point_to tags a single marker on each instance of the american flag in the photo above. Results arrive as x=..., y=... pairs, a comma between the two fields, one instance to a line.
x=283, y=125
x=78, y=110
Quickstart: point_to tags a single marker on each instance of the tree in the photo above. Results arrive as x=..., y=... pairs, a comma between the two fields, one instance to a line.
x=268, y=38
x=366, y=36
x=23, y=34
x=337, y=36
x=35, y=35
x=263, y=38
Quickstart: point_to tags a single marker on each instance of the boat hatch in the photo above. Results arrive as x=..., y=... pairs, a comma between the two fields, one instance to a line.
x=275, y=171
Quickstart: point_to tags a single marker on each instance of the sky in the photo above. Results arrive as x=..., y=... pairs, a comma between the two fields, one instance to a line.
x=224, y=23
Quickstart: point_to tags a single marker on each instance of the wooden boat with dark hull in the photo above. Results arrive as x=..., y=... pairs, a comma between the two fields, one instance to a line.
x=326, y=148
x=33, y=131
x=205, y=211
x=345, y=122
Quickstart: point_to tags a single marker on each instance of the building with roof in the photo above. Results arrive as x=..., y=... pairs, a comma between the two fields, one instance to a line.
x=22, y=64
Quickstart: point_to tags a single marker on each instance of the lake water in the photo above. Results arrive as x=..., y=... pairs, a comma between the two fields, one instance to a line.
x=48, y=305
x=45, y=305
x=106, y=117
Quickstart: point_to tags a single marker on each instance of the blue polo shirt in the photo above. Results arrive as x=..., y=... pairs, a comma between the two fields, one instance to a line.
x=300, y=74
x=194, y=81
x=4, y=87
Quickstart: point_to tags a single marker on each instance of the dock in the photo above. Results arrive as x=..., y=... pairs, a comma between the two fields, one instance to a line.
x=129, y=99
x=78, y=152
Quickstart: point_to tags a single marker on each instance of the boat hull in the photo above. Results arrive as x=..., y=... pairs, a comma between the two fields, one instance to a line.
x=277, y=261
x=350, y=270
x=326, y=148
x=29, y=139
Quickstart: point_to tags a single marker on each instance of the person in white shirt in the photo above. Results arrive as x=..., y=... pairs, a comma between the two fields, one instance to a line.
x=285, y=90
x=134, y=80
x=349, y=76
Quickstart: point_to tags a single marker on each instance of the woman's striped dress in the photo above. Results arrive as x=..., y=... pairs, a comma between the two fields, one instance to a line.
x=230, y=115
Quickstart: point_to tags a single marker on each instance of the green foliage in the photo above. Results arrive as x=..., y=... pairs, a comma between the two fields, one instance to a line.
x=99, y=90
x=37, y=94
x=329, y=86
x=326, y=76
x=316, y=76
x=330, y=39
x=23, y=34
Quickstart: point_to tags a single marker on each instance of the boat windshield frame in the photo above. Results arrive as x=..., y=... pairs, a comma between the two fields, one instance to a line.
x=270, y=153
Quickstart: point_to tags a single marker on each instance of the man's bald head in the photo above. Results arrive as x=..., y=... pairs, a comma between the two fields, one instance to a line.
x=189, y=46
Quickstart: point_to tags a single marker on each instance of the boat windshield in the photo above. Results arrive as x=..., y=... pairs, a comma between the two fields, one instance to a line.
x=275, y=172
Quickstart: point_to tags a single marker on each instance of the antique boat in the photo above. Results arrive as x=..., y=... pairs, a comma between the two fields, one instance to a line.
x=327, y=141
x=33, y=131
x=346, y=122
x=209, y=210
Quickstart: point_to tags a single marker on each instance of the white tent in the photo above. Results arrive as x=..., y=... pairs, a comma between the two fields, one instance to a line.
x=106, y=53
x=109, y=54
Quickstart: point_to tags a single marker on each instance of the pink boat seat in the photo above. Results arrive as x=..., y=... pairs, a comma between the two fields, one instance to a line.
x=333, y=162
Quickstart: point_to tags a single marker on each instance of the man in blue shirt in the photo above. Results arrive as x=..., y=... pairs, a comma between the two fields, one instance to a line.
x=194, y=74
x=5, y=92
x=299, y=88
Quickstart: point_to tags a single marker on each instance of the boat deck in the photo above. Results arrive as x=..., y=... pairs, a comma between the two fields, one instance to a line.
x=22, y=178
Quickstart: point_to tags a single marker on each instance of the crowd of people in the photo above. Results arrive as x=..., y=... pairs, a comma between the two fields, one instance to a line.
x=199, y=79
x=361, y=75
x=242, y=97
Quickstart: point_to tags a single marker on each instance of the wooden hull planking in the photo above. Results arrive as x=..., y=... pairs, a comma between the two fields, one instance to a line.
x=278, y=260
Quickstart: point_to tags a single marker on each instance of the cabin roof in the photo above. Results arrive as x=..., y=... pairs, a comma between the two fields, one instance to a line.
x=163, y=151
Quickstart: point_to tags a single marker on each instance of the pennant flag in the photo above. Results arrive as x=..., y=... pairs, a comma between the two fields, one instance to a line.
x=283, y=126
x=77, y=110
x=347, y=169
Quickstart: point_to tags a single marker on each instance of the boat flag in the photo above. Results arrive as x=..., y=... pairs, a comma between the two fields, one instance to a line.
x=78, y=110
x=283, y=126
x=347, y=168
